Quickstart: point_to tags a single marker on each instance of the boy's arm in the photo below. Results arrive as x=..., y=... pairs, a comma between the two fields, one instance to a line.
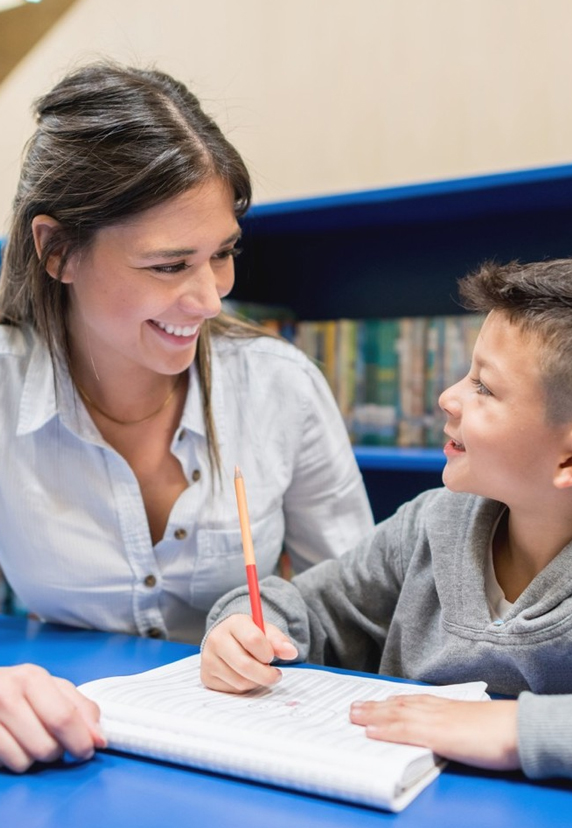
x=480, y=733
x=545, y=735
x=337, y=612
x=533, y=733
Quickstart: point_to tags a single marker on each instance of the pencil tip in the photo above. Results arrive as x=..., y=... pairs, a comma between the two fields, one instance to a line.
x=237, y=472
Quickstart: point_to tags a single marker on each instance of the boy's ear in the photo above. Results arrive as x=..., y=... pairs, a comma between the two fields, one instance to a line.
x=43, y=227
x=563, y=476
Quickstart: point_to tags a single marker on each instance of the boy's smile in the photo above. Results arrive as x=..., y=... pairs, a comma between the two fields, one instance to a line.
x=501, y=444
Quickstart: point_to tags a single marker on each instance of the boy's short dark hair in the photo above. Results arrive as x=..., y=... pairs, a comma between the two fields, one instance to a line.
x=536, y=297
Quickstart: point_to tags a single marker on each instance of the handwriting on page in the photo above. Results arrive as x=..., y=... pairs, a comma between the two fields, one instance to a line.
x=306, y=705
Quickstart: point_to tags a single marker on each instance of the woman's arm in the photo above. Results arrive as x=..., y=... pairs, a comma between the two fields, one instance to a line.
x=326, y=505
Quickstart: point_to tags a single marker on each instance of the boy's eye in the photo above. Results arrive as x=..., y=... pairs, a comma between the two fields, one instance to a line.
x=480, y=388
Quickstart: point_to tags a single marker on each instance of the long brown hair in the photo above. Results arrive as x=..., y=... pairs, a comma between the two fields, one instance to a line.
x=111, y=141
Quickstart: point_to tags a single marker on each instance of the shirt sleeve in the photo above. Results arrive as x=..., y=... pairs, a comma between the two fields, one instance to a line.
x=545, y=735
x=326, y=505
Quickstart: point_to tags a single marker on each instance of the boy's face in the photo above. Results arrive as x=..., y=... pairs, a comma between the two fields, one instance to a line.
x=501, y=445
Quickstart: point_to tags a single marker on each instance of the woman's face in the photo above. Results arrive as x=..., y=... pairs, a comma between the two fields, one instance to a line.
x=141, y=292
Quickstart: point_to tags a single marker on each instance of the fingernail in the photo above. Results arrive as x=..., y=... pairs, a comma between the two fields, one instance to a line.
x=99, y=736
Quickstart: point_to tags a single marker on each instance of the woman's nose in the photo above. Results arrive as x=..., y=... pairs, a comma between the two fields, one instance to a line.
x=203, y=293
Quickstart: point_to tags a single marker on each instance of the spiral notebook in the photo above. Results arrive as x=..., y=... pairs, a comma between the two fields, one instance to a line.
x=296, y=735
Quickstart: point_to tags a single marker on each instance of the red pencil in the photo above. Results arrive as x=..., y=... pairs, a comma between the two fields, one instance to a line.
x=248, y=549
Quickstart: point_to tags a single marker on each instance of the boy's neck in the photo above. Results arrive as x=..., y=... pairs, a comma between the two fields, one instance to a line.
x=522, y=548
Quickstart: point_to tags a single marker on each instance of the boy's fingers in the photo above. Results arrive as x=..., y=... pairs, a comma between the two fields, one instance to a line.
x=220, y=675
x=283, y=647
x=481, y=733
x=236, y=657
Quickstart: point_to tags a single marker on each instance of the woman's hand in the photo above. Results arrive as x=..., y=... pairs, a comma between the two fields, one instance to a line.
x=42, y=716
x=236, y=655
x=480, y=733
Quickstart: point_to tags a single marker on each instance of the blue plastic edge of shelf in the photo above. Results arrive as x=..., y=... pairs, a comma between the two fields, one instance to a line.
x=487, y=181
x=399, y=459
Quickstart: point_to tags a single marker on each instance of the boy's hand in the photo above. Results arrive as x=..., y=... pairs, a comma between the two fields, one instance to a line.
x=41, y=717
x=477, y=733
x=236, y=655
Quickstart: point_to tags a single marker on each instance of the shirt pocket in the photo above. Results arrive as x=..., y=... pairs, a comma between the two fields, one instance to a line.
x=220, y=563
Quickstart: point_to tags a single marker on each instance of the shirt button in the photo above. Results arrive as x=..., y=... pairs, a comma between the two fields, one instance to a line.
x=196, y=475
x=182, y=434
x=180, y=534
x=150, y=581
x=155, y=632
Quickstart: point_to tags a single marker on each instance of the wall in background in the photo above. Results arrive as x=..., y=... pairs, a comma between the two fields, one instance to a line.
x=22, y=26
x=322, y=96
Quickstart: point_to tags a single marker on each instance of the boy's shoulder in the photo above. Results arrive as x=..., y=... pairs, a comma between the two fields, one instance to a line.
x=441, y=510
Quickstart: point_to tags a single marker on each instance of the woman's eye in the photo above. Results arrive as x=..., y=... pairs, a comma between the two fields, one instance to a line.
x=480, y=388
x=231, y=253
x=171, y=268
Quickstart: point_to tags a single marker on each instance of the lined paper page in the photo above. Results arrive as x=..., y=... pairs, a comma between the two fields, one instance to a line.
x=297, y=734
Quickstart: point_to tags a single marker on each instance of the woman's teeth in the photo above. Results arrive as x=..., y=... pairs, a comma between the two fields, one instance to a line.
x=178, y=330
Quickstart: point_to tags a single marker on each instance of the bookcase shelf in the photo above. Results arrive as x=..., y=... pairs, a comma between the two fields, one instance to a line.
x=393, y=458
x=395, y=252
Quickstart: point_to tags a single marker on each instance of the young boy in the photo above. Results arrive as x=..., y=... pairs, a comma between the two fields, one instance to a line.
x=472, y=581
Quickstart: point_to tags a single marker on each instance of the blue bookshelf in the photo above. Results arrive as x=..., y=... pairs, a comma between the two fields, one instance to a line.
x=399, y=251
x=392, y=458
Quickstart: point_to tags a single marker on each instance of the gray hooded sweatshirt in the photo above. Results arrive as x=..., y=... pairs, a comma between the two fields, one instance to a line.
x=410, y=601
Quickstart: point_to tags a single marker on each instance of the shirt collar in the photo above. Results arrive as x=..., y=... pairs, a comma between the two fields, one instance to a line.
x=39, y=403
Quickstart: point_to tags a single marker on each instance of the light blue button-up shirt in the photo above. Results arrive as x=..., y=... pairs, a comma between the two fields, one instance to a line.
x=74, y=537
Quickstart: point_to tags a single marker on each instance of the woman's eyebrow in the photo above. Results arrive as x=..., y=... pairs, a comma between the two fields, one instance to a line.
x=176, y=252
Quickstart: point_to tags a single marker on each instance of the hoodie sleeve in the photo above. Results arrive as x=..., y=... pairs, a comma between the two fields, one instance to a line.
x=545, y=735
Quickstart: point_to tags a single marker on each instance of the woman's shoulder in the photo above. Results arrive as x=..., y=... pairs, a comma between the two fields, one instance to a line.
x=16, y=341
x=268, y=353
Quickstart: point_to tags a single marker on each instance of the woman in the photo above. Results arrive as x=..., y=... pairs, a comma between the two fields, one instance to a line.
x=128, y=398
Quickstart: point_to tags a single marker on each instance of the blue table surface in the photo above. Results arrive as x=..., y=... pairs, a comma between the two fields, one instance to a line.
x=113, y=790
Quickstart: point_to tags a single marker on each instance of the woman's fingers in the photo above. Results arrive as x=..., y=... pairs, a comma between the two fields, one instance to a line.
x=41, y=717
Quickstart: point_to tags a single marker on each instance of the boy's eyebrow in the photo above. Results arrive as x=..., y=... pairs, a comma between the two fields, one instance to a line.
x=486, y=364
x=177, y=252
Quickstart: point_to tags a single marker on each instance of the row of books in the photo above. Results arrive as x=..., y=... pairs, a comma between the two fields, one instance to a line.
x=386, y=374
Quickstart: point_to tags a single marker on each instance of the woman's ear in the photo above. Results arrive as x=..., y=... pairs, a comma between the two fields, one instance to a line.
x=43, y=227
